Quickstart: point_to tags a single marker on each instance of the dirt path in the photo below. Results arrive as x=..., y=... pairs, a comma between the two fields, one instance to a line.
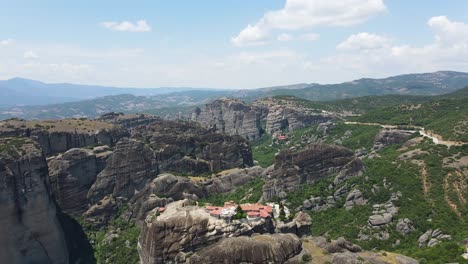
x=451, y=204
x=437, y=139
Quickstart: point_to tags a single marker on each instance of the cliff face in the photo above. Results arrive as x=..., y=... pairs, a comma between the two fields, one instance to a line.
x=128, y=170
x=31, y=232
x=185, y=147
x=282, y=118
x=184, y=228
x=317, y=161
x=232, y=117
x=260, y=249
x=58, y=136
x=72, y=174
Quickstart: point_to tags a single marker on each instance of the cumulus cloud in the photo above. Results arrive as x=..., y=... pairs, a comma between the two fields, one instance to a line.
x=302, y=14
x=139, y=26
x=363, y=41
x=30, y=55
x=250, y=36
x=371, y=54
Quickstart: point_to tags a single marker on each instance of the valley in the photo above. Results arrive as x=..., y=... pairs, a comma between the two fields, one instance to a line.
x=380, y=180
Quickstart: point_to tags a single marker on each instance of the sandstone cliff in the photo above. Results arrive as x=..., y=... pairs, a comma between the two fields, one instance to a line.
x=258, y=249
x=317, y=161
x=231, y=116
x=57, y=136
x=186, y=147
x=72, y=174
x=185, y=228
x=128, y=170
x=29, y=227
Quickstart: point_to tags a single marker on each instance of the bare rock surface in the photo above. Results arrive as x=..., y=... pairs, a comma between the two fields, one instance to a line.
x=128, y=170
x=72, y=174
x=186, y=228
x=258, y=249
x=29, y=226
x=317, y=161
x=231, y=116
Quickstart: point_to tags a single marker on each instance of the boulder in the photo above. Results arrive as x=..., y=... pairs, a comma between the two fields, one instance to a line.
x=404, y=226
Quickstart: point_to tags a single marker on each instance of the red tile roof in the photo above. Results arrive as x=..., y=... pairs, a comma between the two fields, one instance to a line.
x=264, y=214
x=162, y=209
x=253, y=214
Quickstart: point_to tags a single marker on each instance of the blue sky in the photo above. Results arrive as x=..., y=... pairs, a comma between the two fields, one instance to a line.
x=229, y=44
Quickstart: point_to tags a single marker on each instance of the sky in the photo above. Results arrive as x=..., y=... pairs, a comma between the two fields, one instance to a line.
x=230, y=43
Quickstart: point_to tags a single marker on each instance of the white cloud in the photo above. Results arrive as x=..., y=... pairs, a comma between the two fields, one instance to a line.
x=367, y=54
x=250, y=36
x=448, y=32
x=30, y=55
x=302, y=14
x=310, y=37
x=284, y=37
x=363, y=41
x=6, y=42
x=139, y=26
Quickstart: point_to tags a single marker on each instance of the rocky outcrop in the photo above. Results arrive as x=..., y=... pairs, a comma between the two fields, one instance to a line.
x=259, y=249
x=231, y=116
x=186, y=147
x=186, y=228
x=301, y=225
x=177, y=188
x=72, y=174
x=354, y=198
x=128, y=120
x=387, y=137
x=131, y=166
x=29, y=226
x=282, y=118
x=58, y=136
x=232, y=179
x=405, y=226
x=317, y=161
x=432, y=237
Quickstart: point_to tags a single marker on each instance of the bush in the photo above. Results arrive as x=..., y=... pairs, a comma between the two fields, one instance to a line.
x=306, y=258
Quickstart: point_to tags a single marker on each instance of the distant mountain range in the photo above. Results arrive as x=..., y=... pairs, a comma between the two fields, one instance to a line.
x=32, y=99
x=19, y=91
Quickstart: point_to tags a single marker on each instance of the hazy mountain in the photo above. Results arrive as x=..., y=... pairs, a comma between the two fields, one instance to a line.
x=19, y=91
x=66, y=100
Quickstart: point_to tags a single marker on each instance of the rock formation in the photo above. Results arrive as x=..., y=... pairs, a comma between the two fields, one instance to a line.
x=231, y=116
x=186, y=147
x=29, y=226
x=186, y=228
x=282, y=118
x=131, y=166
x=57, y=136
x=72, y=174
x=301, y=225
x=387, y=137
x=258, y=249
x=317, y=161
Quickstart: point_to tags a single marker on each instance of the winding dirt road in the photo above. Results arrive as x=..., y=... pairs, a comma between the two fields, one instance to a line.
x=437, y=139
